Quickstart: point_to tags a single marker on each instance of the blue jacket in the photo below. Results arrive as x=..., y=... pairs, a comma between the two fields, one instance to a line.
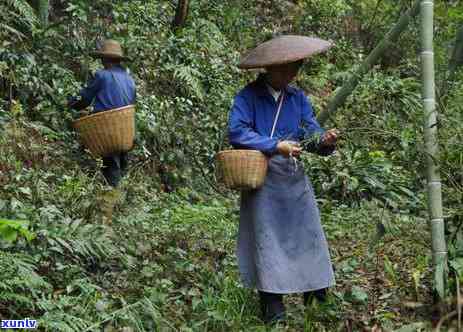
x=110, y=88
x=253, y=113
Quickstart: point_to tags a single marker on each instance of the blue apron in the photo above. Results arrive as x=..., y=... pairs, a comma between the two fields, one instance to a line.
x=281, y=244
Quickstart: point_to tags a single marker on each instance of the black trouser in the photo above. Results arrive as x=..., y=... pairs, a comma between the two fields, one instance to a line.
x=319, y=294
x=272, y=304
x=114, y=167
x=272, y=307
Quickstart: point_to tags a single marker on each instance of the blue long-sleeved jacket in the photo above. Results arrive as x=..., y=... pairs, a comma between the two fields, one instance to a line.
x=253, y=113
x=109, y=89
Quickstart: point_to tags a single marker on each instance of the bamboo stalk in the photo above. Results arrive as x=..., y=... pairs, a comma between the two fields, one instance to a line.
x=439, y=248
x=390, y=38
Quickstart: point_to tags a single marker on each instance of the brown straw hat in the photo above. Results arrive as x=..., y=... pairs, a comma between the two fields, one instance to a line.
x=283, y=49
x=110, y=49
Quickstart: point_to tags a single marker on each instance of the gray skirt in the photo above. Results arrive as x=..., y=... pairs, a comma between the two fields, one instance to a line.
x=281, y=245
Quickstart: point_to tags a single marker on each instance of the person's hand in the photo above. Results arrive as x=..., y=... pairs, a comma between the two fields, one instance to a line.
x=289, y=148
x=330, y=137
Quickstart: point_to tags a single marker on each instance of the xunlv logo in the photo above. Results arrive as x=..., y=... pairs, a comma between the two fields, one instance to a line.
x=19, y=324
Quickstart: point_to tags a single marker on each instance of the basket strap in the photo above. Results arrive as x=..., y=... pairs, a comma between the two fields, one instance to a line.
x=278, y=114
x=124, y=93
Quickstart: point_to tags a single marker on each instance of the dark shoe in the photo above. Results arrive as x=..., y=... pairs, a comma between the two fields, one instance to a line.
x=272, y=307
x=319, y=294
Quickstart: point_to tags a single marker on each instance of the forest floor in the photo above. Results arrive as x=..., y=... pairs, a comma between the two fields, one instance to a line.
x=381, y=263
x=167, y=262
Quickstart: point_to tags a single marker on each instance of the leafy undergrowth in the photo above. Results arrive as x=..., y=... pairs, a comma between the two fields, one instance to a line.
x=171, y=266
x=167, y=261
x=382, y=267
x=182, y=263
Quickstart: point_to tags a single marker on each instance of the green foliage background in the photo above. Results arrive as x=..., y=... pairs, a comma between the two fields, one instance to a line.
x=167, y=263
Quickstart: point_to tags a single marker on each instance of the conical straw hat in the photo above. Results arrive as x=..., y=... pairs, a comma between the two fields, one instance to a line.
x=283, y=49
x=110, y=49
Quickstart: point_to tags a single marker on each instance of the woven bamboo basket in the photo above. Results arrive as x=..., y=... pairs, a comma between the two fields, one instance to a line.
x=242, y=169
x=107, y=132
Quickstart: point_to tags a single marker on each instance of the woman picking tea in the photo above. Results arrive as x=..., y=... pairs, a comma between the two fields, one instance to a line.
x=281, y=244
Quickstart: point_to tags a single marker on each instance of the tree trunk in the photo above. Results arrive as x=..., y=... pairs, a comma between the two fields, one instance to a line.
x=439, y=248
x=391, y=37
x=456, y=60
x=43, y=7
x=181, y=14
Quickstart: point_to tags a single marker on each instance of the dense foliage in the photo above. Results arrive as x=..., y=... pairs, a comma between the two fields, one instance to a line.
x=167, y=262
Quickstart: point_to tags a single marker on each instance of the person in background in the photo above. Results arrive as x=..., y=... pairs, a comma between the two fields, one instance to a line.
x=281, y=244
x=111, y=87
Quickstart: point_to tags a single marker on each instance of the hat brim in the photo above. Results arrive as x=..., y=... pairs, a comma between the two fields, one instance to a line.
x=105, y=55
x=283, y=50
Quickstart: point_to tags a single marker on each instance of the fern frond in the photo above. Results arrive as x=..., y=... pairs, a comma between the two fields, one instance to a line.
x=86, y=243
x=20, y=285
x=62, y=322
x=191, y=78
x=26, y=12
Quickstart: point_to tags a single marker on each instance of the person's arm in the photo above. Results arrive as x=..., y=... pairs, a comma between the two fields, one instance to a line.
x=87, y=94
x=240, y=129
x=310, y=132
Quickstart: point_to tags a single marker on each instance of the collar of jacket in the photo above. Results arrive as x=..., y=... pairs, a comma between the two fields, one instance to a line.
x=262, y=91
